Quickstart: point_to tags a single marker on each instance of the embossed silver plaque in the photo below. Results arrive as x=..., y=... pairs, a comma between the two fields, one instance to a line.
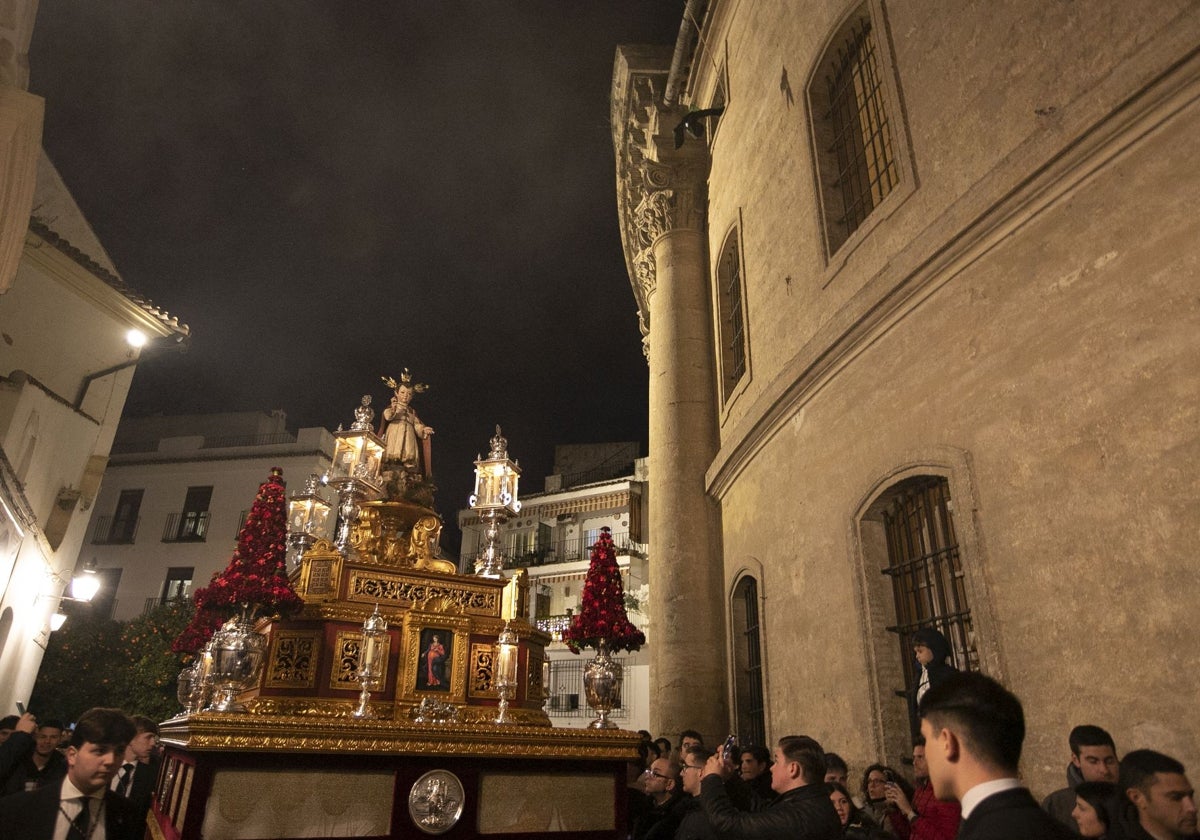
x=435, y=802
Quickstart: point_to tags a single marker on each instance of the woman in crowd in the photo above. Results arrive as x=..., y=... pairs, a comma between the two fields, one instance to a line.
x=875, y=801
x=856, y=823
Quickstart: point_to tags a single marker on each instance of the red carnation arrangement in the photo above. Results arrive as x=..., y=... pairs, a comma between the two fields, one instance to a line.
x=256, y=577
x=602, y=614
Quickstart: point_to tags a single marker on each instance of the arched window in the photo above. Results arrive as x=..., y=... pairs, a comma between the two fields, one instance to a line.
x=853, y=132
x=926, y=570
x=747, y=663
x=731, y=326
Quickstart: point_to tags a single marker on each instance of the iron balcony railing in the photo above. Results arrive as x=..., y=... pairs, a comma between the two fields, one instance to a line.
x=555, y=625
x=110, y=531
x=135, y=446
x=567, y=698
x=188, y=526
x=560, y=550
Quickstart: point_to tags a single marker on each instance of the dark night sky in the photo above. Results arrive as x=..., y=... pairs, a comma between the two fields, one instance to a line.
x=327, y=192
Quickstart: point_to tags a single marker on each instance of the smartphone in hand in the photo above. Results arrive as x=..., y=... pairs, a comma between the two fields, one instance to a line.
x=727, y=748
x=20, y=708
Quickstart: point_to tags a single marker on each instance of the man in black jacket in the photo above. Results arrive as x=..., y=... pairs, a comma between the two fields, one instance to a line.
x=974, y=729
x=1162, y=800
x=802, y=811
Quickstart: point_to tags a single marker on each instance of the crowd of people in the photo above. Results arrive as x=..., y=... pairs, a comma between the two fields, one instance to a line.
x=968, y=734
x=93, y=781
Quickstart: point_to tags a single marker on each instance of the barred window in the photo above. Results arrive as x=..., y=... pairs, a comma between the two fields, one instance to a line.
x=731, y=316
x=926, y=571
x=853, y=134
x=747, y=654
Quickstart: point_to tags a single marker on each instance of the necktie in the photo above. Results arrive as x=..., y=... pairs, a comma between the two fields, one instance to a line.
x=126, y=779
x=81, y=825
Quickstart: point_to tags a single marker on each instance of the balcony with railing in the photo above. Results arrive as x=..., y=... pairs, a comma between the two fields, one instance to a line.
x=112, y=531
x=187, y=526
x=567, y=698
x=561, y=550
x=131, y=447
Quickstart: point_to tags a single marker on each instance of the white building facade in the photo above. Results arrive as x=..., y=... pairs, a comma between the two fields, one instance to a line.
x=594, y=486
x=176, y=494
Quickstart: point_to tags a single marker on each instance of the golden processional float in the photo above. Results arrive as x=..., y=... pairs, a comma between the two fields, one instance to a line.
x=404, y=699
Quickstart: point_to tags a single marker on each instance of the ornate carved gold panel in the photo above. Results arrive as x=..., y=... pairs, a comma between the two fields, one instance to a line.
x=344, y=669
x=293, y=662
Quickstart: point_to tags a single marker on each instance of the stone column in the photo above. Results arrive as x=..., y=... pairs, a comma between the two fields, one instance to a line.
x=21, y=115
x=662, y=206
x=688, y=657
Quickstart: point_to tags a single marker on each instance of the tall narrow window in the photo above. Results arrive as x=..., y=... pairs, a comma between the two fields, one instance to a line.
x=926, y=571
x=731, y=316
x=852, y=130
x=125, y=519
x=178, y=584
x=190, y=524
x=747, y=663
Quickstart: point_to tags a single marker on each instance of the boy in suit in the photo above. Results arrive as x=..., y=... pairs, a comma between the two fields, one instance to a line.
x=136, y=776
x=974, y=729
x=80, y=807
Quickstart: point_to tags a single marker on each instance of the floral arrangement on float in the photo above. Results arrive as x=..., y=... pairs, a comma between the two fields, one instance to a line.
x=603, y=624
x=255, y=583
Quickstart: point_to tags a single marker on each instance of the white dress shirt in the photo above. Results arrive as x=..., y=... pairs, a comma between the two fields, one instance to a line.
x=982, y=791
x=70, y=801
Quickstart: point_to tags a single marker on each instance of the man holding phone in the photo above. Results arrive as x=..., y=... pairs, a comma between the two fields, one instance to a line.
x=44, y=765
x=17, y=747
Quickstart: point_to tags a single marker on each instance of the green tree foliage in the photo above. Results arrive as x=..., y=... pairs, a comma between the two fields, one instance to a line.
x=126, y=664
x=148, y=682
x=81, y=661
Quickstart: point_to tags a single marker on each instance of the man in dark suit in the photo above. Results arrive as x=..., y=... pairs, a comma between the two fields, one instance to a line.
x=974, y=729
x=76, y=807
x=136, y=776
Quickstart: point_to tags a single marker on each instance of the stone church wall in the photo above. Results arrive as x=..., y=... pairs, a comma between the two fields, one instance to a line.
x=1020, y=317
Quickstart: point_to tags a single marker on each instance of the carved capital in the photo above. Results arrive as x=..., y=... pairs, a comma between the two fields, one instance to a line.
x=659, y=188
x=644, y=273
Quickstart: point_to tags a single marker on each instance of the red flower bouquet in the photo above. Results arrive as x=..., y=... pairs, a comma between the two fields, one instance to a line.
x=602, y=613
x=256, y=577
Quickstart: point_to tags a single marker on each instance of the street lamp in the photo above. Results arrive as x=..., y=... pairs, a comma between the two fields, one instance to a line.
x=308, y=513
x=495, y=499
x=357, y=460
x=85, y=585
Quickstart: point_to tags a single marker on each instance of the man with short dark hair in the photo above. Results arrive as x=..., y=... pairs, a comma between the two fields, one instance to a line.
x=836, y=769
x=660, y=783
x=754, y=765
x=928, y=817
x=136, y=776
x=45, y=765
x=689, y=738
x=694, y=824
x=81, y=803
x=1161, y=795
x=803, y=810
x=1093, y=759
x=974, y=729
x=7, y=725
